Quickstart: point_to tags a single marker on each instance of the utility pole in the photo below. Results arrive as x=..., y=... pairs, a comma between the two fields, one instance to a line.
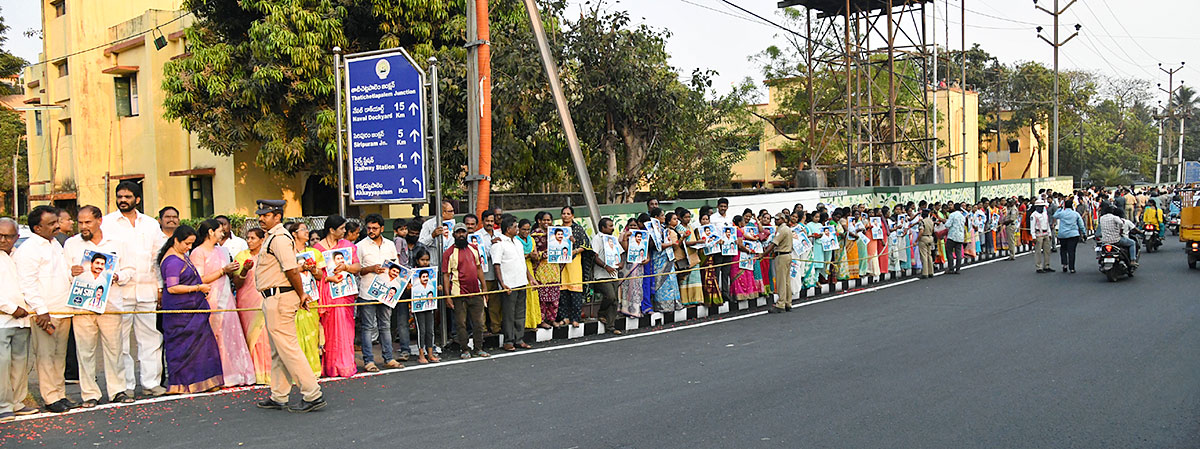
x=1056, y=44
x=1170, y=91
x=935, y=92
x=963, y=20
x=1179, y=158
x=1158, y=161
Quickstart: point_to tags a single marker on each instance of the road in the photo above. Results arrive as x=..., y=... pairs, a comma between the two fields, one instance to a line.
x=997, y=357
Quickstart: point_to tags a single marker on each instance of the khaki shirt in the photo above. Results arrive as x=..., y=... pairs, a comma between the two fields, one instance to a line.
x=782, y=240
x=925, y=229
x=278, y=255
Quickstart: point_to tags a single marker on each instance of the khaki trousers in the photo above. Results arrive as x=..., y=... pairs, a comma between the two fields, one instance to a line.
x=50, y=355
x=1041, y=248
x=288, y=364
x=925, y=245
x=1010, y=233
x=495, y=307
x=783, y=279
x=102, y=333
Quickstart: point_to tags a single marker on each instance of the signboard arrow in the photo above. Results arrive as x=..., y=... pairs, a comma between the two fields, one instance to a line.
x=412, y=109
x=414, y=157
x=414, y=135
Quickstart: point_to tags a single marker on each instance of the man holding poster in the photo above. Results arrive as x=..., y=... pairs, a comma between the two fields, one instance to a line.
x=94, y=256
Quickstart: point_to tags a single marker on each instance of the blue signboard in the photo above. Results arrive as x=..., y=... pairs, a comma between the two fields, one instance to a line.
x=1191, y=171
x=385, y=105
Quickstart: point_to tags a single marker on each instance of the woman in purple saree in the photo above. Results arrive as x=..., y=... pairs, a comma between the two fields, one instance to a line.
x=193, y=360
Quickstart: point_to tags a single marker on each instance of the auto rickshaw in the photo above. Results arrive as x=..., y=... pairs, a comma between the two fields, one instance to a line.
x=1189, y=227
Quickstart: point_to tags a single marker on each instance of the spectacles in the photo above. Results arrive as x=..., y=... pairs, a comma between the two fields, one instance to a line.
x=8, y=236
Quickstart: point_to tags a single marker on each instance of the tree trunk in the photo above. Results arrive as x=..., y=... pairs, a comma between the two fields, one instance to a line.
x=1037, y=140
x=610, y=155
x=635, y=156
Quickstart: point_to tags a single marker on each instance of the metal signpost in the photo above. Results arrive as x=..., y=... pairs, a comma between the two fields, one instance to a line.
x=385, y=127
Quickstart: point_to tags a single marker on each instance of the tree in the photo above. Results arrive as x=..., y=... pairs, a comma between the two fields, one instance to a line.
x=10, y=64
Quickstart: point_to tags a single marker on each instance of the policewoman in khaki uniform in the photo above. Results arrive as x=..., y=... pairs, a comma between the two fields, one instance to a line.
x=277, y=276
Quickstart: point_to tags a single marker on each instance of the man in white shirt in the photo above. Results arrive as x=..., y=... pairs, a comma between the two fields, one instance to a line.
x=14, y=331
x=433, y=227
x=375, y=320
x=232, y=242
x=722, y=218
x=604, y=247
x=1039, y=226
x=45, y=281
x=508, y=262
x=139, y=233
x=483, y=231
x=101, y=332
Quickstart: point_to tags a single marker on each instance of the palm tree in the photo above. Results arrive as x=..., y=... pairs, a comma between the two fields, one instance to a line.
x=1109, y=176
x=1185, y=101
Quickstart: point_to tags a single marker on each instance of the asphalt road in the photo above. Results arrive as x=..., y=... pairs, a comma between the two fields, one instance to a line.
x=997, y=357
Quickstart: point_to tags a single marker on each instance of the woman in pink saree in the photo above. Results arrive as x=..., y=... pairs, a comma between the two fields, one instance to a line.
x=214, y=265
x=248, y=297
x=338, y=322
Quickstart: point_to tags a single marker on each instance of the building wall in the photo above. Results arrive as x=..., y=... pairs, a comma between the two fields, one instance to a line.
x=145, y=146
x=1031, y=161
x=962, y=161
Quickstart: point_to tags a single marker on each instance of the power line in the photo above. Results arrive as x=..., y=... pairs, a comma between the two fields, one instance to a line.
x=1135, y=42
x=139, y=34
x=727, y=13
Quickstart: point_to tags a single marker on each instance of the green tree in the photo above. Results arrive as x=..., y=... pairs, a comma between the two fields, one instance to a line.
x=10, y=64
x=12, y=133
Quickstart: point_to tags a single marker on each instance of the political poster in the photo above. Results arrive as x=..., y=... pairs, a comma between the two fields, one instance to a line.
x=746, y=260
x=750, y=231
x=447, y=236
x=729, y=236
x=829, y=241
x=348, y=286
x=639, y=242
x=308, y=259
x=771, y=230
x=656, y=234
x=877, y=228
x=484, y=243
x=711, y=239
x=558, y=245
x=424, y=289
x=612, y=250
x=389, y=286
x=801, y=245
x=89, y=290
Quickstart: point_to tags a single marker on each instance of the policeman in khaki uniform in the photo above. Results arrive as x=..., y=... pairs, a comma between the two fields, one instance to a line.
x=277, y=276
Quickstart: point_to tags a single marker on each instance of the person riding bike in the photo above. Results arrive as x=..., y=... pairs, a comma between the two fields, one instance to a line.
x=1154, y=216
x=1114, y=230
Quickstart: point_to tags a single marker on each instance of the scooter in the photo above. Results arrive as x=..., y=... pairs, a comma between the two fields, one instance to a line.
x=1114, y=261
x=1150, y=236
x=1173, y=224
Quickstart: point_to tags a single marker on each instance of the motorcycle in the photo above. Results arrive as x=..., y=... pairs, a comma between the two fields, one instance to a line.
x=1150, y=238
x=1173, y=224
x=1114, y=261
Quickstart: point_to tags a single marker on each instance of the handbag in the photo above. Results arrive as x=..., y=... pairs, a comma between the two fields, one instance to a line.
x=940, y=231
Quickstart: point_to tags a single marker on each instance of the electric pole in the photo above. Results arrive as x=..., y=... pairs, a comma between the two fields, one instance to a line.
x=1170, y=91
x=1158, y=161
x=1056, y=44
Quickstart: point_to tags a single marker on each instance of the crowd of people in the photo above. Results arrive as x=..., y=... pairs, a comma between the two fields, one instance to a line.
x=272, y=306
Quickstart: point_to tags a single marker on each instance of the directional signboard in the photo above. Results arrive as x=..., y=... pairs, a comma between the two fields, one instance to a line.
x=385, y=106
x=1191, y=171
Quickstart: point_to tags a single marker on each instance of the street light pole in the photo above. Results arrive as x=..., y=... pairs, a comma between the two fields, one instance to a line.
x=1056, y=44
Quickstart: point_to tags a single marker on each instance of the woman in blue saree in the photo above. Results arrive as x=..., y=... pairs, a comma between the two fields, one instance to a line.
x=193, y=359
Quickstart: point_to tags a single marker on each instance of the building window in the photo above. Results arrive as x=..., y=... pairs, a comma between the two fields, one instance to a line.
x=1014, y=146
x=127, y=96
x=63, y=70
x=60, y=7
x=202, y=196
x=66, y=126
x=37, y=121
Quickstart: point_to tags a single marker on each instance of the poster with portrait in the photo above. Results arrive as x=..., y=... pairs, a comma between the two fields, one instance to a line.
x=447, y=235
x=639, y=242
x=711, y=239
x=307, y=259
x=612, y=250
x=829, y=241
x=348, y=286
x=656, y=234
x=801, y=245
x=389, y=286
x=484, y=244
x=750, y=231
x=979, y=220
x=729, y=235
x=877, y=228
x=746, y=260
x=424, y=289
x=558, y=244
x=89, y=290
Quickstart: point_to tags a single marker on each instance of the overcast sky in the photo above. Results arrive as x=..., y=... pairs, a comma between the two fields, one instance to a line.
x=711, y=34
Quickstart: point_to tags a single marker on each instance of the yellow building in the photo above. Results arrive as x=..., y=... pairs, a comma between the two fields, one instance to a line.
x=956, y=150
x=756, y=169
x=97, y=88
x=1016, y=153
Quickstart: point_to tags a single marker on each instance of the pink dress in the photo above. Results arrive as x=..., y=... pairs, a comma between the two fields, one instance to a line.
x=254, y=324
x=236, y=366
x=338, y=323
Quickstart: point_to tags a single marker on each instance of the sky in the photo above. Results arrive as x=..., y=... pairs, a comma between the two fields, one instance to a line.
x=711, y=34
